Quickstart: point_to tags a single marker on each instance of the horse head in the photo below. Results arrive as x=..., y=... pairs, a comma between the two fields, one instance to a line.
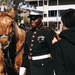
x=8, y=28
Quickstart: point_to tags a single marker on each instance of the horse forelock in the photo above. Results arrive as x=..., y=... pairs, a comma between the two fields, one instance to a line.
x=3, y=14
x=5, y=18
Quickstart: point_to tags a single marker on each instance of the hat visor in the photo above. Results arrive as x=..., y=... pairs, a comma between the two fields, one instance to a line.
x=33, y=17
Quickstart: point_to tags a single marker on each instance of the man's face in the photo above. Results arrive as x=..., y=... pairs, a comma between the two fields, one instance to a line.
x=35, y=22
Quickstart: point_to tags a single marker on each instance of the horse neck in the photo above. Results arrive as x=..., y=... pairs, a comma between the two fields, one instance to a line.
x=17, y=30
x=19, y=33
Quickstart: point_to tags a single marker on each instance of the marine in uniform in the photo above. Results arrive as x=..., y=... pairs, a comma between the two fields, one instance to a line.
x=37, y=58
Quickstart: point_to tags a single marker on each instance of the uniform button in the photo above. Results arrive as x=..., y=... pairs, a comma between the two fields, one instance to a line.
x=32, y=40
x=34, y=32
x=29, y=57
x=36, y=28
x=42, y=64
x=31, y=44
x=33, y=36
x=39, y=41
x=30, y=49
x=30, y=53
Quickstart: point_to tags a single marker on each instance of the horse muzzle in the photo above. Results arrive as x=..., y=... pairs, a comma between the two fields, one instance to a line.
x=4, y=42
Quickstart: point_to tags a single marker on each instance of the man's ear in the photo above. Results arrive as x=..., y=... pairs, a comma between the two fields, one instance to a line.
x=61, y=23
x=63, y=26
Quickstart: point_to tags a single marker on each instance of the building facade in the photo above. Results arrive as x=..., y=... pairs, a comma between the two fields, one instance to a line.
x=53, y=9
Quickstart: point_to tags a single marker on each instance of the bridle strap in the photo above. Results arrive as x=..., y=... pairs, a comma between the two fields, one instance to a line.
x=7, y=57
x=20, y=49
x=7, y=60
x=8, y=63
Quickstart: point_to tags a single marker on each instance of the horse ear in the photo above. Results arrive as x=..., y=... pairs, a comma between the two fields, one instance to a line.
x=11, y=12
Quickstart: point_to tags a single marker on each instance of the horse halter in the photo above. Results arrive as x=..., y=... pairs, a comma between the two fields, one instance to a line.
x=9, y=40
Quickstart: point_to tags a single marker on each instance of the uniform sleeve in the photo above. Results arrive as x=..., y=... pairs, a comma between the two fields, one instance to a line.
x=58, y=60
x=25, y=56
x=51, y=34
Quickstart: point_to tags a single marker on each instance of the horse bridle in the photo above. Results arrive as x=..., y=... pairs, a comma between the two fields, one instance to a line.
x=9, y=39
x=8, y=36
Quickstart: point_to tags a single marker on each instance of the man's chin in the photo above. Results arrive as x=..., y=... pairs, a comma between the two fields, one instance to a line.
x=33, y=26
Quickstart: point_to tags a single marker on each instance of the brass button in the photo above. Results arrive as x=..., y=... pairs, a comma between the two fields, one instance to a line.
x=31, y=44
x=39, y=41
x=30, y=49
x=32, y=40
x=35, y=32
x=42, y=64
x=33, y=36
x=29, y=57
x=30, y=53
x=36, y=28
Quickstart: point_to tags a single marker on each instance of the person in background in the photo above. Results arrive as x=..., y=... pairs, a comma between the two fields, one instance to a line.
x=37, y=58
x=63, y=51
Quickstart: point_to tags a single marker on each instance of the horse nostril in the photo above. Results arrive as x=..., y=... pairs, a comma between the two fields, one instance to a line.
x=4, y=41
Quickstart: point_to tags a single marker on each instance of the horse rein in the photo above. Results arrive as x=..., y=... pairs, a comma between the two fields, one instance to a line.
x=8, y=63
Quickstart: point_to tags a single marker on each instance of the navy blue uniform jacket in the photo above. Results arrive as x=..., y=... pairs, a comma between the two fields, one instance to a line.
x=38, y=42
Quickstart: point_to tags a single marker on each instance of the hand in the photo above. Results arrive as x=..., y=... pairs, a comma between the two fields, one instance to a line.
x=22, y=71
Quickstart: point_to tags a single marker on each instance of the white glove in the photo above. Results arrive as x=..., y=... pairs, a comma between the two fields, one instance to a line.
x=22, y=70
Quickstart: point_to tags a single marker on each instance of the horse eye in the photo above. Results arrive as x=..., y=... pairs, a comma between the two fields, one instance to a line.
x=12, y=25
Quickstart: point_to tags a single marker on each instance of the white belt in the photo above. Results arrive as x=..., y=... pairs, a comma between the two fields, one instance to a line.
x=41, y=57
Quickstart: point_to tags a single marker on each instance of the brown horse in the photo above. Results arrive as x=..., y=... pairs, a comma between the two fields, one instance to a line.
x=11, y=42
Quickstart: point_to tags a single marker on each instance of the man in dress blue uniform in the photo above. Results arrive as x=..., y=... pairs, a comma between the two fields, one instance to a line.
x=37, y=58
